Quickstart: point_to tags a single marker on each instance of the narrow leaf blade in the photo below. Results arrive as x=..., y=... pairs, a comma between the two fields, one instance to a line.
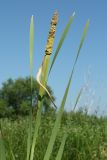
x=29, y=140
x=57, y=123
x=31, y=46
x=62, y=40
x=77, y=99
x=82, y=41
x=60, y=151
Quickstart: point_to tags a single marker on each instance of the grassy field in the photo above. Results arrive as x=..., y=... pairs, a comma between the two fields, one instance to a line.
x=86, y=137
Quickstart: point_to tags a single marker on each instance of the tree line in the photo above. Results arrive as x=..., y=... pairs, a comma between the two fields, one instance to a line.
x=16, y=97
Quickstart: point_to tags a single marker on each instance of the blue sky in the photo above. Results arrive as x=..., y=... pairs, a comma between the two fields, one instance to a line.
x=91, y=68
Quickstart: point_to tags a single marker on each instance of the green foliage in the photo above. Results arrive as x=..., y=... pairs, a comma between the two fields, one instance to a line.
x=24, y=108
x=2, y=147
x=3, y=108
x=2, y=150
x=15, y=97
x=86, y=136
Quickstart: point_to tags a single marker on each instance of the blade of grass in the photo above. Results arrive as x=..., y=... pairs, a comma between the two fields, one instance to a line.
x=62, y=40
x=60, y=151
x=60, y=112
x=45, y=62
x=2, y=147
x=78, y=98
x=29, y=140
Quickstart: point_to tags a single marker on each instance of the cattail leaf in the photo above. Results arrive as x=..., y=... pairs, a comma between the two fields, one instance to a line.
x=35, y=136
x=29, y=139
x=62, y=40
x=60, y=151
x=82, y=40
x=31, y=48
x=57, y=123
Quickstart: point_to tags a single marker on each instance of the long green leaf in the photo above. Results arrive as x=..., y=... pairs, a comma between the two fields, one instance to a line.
x=29, y=140
x=57, y=123
x=80, y=45
x=37, y=125
x=60, y=152
x=62, y=40
x=59, y=115
x=82, y=40
x=31, y=49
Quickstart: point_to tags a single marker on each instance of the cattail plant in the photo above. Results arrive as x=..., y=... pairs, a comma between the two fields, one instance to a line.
x=46, y=68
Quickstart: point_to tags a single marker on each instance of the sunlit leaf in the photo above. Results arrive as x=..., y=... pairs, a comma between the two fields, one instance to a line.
x=62, y=40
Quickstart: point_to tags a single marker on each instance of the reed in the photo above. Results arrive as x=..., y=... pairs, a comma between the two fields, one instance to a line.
x=45, y=63
x=33, y=135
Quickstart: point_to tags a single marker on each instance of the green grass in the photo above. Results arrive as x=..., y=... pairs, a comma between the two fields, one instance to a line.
x=86, y=137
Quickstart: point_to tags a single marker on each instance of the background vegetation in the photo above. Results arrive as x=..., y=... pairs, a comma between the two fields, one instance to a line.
x=15, y=97
x=86, y=140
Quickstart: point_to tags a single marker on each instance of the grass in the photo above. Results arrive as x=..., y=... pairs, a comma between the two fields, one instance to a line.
x=86, y=137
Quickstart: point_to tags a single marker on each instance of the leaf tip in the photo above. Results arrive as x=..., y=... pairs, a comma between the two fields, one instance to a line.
x=73, y=14
x=32, y=17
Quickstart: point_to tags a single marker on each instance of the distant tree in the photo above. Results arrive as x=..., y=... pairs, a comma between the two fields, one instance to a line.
x=17, y=95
